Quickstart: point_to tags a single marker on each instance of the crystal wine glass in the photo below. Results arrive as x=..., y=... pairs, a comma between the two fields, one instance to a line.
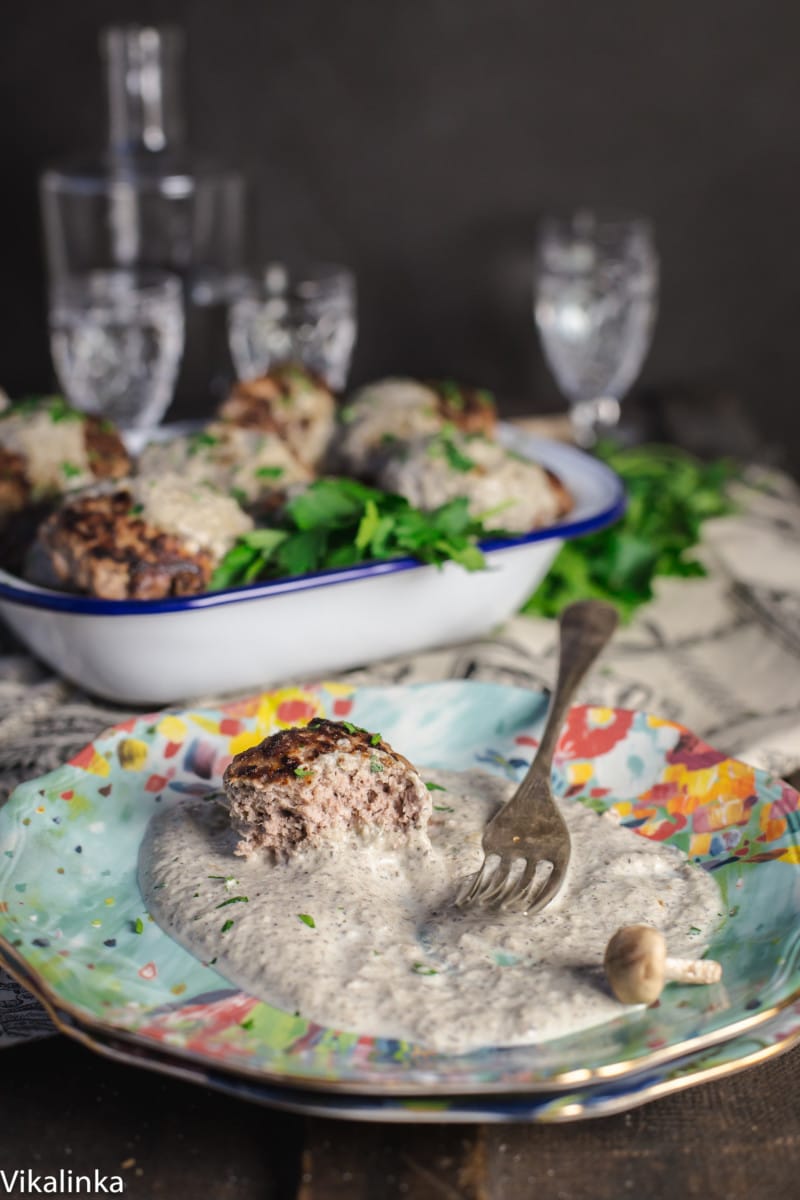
x=116, y=338
x=595, y=297
x=307, y=315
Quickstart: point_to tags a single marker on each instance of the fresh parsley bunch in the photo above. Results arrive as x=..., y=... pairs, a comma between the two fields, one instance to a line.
x=670, y=494
x=340, y=522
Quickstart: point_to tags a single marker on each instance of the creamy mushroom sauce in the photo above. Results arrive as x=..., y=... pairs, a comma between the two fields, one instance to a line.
x=205, y=518
x=56, y=453
x=360, y=934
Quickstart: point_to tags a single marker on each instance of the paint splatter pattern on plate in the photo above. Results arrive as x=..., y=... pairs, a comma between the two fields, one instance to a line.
x=71, y=912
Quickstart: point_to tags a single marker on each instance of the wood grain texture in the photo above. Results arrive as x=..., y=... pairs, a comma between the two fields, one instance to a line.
x=737, y=1139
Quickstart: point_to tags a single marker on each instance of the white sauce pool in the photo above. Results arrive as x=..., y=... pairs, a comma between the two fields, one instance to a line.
x=388, y=955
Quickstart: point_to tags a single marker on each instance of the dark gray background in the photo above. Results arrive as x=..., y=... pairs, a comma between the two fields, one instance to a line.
x=419, y=139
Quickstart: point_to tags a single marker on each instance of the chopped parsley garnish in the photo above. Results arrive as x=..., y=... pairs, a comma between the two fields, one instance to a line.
x=303, y=772
x=375, y=765
x=307, y=920
x=269, y=472
x=233, y=900
x=138, y=925
x=443, y=808
x=693, y=930
x=451, y=394
x=434, y=787
x=248, y=1024
x=340, y=522
x=445, y=447
x=136, y=510
x=212, y=961
x=70, y=470
x=60, y=411
x=375, y=740
x=421, y=969
x=228, y=925
x=350, y=727
x=669, y=496
x=200, y=440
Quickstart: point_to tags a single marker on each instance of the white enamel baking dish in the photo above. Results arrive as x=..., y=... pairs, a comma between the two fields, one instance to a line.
x=157, y=652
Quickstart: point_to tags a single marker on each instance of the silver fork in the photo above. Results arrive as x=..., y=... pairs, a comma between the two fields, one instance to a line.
x=529, y=826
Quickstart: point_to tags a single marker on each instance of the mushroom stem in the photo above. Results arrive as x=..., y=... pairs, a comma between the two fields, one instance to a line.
x=637, y=966
x=692, y=970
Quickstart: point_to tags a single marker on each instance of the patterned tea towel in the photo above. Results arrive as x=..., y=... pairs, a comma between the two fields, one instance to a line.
x=719, y=654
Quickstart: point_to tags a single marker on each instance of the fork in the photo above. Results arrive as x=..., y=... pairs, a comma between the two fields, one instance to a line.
x=529, y=826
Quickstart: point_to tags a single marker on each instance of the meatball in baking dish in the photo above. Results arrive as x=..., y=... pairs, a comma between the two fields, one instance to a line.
x=505, y=490
x=289, y=401
x=250, y=465
x=143, y=540
x=394, y=411
x=302, y=785
x=48, y=449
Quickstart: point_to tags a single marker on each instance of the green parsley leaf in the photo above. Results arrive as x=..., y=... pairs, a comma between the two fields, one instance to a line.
x=233, y=900
x=307, y=920
x=443, y=808
x=212, y=961
x=269, y=472
x=303, y=772
x=340, y=522
x=248, y=1024
x=228, y=925
x=669, y=496
x=421, y=969
x=200, y=441
x=70, y=470
x=375, y=740
x=434, y=787
x=138, y=925
x=375, y=765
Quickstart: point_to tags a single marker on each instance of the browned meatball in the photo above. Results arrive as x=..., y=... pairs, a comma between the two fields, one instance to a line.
x=108, y=458
x=301, y=785
x=472, y=410
x=15, y=489
x=99, y=543
x=290, y=401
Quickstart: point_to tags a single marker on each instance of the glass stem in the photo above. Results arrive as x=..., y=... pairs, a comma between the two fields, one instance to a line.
x=594, y=419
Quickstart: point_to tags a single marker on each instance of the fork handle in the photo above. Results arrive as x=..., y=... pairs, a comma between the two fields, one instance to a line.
x=585, y=628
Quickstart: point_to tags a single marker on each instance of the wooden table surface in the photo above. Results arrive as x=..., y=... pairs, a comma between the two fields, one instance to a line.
x=61, y=1106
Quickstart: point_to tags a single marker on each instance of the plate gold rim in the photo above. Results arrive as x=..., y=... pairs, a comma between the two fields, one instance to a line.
x=15, y=965
x=171, y=1066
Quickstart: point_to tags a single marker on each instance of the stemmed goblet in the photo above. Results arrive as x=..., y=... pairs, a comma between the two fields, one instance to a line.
x=595, y=297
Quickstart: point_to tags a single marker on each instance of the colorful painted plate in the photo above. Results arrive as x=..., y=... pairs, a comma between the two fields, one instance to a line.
x=766, y=1041
x=69, y=898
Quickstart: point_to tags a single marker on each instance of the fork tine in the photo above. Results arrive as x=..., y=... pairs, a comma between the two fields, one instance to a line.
x=522, y=887
x=467, y=893
x=496, y=885
x=551, y=885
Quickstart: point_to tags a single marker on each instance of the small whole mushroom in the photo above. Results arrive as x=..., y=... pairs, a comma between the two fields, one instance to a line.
x=637, y=966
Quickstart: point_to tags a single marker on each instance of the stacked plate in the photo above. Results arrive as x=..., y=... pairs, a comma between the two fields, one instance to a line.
x=72, y=927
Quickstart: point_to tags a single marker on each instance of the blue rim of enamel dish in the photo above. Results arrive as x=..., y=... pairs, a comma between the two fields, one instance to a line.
x=31, y=596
